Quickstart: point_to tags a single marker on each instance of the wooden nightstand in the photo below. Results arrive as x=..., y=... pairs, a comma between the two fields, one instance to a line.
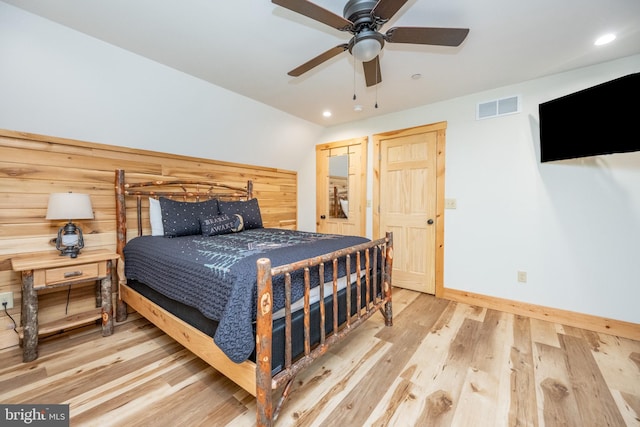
x=47, y=270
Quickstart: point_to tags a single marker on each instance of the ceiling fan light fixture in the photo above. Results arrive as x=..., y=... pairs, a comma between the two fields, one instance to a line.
x=367, y=45
x=363, y=19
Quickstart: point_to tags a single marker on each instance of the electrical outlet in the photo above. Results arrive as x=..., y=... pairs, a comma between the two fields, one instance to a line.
x=522, y=276
x=8, y=298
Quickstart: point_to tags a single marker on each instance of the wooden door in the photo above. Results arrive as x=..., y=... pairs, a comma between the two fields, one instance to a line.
x=341, y=196
x=408, y=195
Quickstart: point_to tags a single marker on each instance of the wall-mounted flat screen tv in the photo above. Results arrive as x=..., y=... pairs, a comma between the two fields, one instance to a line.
x=602, y=119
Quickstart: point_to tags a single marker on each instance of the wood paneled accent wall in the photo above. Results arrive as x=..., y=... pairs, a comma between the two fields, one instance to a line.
x=33, y=166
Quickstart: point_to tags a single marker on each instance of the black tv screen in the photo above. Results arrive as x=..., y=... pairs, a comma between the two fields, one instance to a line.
x=602, y=119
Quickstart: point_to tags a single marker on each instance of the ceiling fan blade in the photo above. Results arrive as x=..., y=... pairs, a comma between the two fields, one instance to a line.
x=372, y=74
x=385, y=9
x=316, y=12
x=423, y=35
x=318, y=60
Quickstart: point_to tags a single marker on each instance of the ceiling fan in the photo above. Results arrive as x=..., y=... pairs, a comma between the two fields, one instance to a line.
x=363, y=19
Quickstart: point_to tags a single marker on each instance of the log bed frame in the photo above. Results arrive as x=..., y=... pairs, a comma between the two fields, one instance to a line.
x=254, y=377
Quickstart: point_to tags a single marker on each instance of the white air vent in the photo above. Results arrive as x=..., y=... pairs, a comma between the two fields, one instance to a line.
x=498, y=107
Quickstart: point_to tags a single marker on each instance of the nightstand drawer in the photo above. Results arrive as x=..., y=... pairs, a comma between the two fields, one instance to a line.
x=71, y=273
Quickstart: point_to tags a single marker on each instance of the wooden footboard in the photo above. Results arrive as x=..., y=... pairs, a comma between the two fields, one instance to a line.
x=373, y=293
x=267, y=384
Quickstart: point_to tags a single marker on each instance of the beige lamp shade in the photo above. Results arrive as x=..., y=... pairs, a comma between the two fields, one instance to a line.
x=69, y=206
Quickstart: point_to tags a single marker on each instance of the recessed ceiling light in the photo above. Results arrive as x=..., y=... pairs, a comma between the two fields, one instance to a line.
x=326, y=113
x=416, y=76
x=607, y=38
x=357, y=108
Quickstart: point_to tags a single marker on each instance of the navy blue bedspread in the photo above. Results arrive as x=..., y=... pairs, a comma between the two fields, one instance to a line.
x=217, y=274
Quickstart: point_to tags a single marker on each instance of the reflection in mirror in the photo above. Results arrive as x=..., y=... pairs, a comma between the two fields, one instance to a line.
x=339, y=186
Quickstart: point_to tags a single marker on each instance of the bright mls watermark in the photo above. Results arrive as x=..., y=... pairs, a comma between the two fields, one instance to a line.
x=34, y=415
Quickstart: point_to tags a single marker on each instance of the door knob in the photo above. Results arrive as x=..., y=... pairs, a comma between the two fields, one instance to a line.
x=429, y=221
x=322, y=217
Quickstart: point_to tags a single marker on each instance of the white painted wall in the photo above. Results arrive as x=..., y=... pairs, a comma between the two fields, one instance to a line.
x=56, y=81
x=573, y=226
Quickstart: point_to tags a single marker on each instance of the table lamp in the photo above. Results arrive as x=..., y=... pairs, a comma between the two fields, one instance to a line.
x=69, y=206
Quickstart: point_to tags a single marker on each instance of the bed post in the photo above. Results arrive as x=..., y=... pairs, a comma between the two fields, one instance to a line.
x=264, y=326
x=121, y=236
x=388, y=312
x=249, y=189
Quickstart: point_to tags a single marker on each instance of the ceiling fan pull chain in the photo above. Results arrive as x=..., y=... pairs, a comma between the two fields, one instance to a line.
x=376, y=106
x=354, y=78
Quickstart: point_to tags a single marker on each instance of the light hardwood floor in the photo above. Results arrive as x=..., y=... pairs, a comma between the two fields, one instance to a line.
x=441, y=364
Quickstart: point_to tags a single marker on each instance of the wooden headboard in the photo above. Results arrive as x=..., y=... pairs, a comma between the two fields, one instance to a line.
x=184, y=190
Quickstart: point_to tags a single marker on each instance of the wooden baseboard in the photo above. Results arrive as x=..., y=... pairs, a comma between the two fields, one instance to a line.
x=585, y=321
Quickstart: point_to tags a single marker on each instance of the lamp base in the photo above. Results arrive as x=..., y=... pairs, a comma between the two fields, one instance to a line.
x=70, y=252
x=69, y=241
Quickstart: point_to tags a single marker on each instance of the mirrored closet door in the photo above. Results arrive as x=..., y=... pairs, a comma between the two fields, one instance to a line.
x=341, y=187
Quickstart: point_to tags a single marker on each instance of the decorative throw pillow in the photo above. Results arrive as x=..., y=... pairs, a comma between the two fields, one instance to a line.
x=183, y=218
x=221, y=224
x=155, y=217
x=249, y=211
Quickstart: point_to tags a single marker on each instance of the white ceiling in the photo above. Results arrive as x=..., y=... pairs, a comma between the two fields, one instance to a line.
x=248, y=46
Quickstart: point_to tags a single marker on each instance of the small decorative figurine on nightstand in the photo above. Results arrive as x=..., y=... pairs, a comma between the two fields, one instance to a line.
x=69, y=206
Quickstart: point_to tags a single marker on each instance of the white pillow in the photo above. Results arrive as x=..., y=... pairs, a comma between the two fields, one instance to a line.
x=155, y=217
